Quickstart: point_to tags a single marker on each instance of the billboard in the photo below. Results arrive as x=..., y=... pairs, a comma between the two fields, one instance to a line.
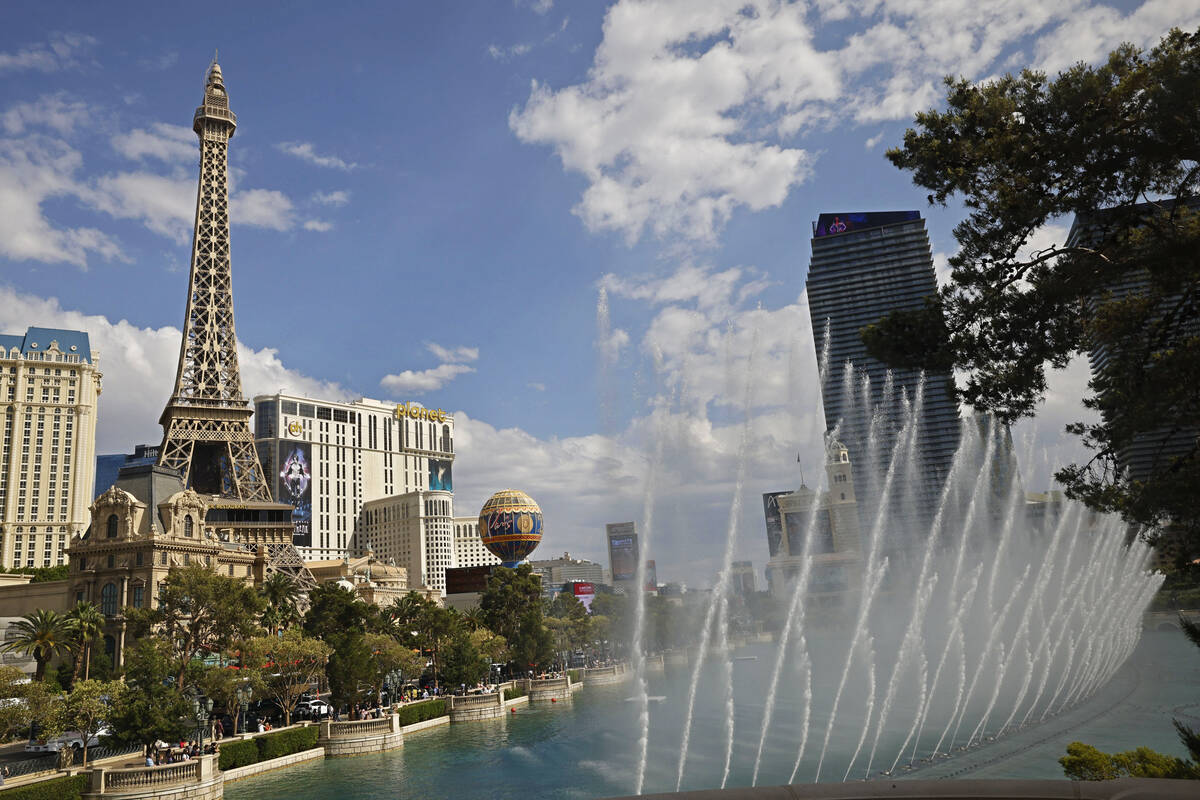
x=295, y=488
x=584, y=593
x=622, y=550
x=774, y=521
x=832, y=224
x=467, y=579
x=440, y=478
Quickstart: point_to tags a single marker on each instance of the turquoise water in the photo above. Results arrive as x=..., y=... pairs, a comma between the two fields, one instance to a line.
x=585, y=747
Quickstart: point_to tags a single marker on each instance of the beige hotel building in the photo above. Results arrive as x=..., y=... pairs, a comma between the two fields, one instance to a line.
x=49, y=383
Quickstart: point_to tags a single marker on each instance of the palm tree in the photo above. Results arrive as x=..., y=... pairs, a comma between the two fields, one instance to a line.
x=89, y=624
x=473, y=617
x=283, y=598
x=43, y=634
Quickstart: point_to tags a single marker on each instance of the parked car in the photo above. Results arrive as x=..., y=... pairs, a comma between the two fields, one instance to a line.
x=72, y=739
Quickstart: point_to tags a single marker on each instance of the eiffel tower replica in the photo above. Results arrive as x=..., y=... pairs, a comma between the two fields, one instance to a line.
x=206, y=424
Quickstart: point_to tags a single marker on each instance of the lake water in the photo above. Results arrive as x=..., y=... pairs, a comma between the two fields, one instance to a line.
x=584, y=747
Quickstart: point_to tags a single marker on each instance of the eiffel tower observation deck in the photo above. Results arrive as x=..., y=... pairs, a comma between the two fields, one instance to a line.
x=206, y=424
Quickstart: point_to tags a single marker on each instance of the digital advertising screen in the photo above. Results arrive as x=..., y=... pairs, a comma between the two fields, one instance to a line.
x=833, y=224
x=622, y=551
x=584, y=593
x=295, y=488
x=440, y=478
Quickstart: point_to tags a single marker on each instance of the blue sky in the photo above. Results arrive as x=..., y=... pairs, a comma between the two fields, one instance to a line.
x=428, y=199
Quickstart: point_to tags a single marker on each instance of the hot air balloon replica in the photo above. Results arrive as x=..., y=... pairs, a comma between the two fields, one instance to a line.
x=510, y=524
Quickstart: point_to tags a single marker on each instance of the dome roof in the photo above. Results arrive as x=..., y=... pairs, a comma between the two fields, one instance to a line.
x=836, y=452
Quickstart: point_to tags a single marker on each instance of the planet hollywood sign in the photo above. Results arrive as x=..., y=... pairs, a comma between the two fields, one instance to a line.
x=414, y=411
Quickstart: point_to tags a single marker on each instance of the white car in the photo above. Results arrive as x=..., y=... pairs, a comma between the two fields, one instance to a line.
x=314, y=708
x=72, y=739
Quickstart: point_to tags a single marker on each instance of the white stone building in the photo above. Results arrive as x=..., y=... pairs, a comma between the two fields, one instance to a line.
x=469, y=550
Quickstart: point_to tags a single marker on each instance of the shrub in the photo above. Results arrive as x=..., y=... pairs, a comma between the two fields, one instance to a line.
x=238, y=754
x=54, y=789
x=574, y=675
x=284, y=743
x=419, y=712
x=517, y=689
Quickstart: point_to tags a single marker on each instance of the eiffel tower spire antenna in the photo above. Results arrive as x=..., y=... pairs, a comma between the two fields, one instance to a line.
x=206, y=424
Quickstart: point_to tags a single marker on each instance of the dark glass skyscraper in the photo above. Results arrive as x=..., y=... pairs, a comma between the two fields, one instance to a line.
x=865, y=265
x=1152, y=451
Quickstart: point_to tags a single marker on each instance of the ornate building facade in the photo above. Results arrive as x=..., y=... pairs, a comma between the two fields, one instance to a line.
x=144, y=526
x=829, y=533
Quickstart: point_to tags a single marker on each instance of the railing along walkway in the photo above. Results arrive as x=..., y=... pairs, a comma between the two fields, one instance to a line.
x=352, y=729
x=113, y=781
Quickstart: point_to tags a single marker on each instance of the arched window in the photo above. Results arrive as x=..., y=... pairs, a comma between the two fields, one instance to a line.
x=110, y=528
x=188, y=530
x=108, y=599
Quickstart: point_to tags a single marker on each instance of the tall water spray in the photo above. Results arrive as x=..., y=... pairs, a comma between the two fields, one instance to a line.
x=721, y=590
x=986, y=620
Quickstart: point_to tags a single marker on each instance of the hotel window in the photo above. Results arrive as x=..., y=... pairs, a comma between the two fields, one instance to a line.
x=139, y=595
x=108, y=599
x=111, y=526
x=188, y=530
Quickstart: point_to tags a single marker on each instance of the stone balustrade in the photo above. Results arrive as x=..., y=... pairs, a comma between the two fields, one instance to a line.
x=614, y=673
x=354, y=737
x=197, y=779
x=547, y=688
x=352, y=729
x=463, y=708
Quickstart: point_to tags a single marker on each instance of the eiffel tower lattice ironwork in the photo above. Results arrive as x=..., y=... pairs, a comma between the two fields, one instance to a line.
x=206, y=424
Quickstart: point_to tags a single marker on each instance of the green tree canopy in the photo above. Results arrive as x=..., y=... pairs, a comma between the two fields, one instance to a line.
x=43, y=634
x=281, y=602
x=24, y=702
x=388, y=655
x=221, y=683
x=342, y=620
x=88, y=707
x=199, y=612
x=288, y=665
x=462, y=663
x=153, y=707
x=1025, y=151
x=512, y=607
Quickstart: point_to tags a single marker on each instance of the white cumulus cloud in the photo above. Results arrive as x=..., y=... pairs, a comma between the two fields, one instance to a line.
x=425, y=380
x=170, y=143
x=306, y=151
x=61, y=51
x=691, y=111
x=338, y=197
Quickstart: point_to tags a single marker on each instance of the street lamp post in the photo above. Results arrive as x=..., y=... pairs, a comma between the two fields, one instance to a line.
x=202, y=711
x=244, y=694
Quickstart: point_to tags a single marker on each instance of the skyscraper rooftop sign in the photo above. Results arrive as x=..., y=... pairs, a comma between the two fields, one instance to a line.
x=833, y=224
